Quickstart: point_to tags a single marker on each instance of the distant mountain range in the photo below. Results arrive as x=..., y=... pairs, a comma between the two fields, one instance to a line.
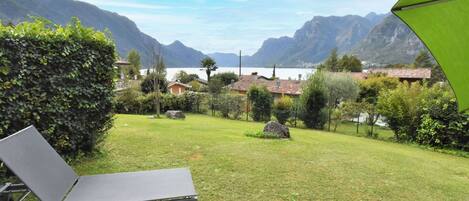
x=124, y=31
x=381, y=39
x=374, y=38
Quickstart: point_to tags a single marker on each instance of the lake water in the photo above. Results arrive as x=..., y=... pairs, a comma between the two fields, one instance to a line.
x=282, y=73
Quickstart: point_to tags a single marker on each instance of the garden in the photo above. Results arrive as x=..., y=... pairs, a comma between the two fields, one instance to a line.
x=61, y=79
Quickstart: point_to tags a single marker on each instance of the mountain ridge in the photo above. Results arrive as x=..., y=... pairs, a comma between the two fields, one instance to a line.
x=124, y=31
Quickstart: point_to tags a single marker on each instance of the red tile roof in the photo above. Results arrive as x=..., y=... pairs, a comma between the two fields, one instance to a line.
x=405, y=73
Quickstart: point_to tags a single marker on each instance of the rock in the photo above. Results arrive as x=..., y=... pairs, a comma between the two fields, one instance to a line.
x=175, y=114
x=278, y=129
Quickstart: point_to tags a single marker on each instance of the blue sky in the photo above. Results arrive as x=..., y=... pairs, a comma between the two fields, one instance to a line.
x=230, y=25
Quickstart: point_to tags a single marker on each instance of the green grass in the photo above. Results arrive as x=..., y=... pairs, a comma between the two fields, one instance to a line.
x=314, y=165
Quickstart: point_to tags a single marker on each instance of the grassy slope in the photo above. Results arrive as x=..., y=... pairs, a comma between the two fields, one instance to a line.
x=226, y=165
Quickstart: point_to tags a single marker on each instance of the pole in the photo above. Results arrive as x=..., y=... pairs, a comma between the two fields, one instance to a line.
x=240, y=58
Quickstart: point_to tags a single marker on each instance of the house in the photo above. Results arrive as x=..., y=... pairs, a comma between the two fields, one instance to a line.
x=277, y=87
x=178, y=88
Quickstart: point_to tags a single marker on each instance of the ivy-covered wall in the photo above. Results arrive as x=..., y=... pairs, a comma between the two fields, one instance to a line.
x=59, y=79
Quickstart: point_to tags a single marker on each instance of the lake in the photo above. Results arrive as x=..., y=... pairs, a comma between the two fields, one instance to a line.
x=282, y=73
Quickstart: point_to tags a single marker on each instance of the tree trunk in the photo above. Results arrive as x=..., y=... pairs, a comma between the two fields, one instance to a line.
x=358, y=123
x=158, y=97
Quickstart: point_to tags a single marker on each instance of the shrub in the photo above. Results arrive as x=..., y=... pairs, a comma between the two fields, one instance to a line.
x=282, y=109
x=127, y=101
x=231, y=105
x=401, y=109
x=262, y=135
x=427, y=116
x=441, y=123
x=59, y=79
x=261, y=101
x=313, y=102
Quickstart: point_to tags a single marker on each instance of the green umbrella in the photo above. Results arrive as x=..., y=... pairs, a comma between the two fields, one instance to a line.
x=443, y=25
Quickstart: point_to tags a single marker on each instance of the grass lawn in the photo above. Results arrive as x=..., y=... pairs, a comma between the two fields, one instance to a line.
x=314, y=165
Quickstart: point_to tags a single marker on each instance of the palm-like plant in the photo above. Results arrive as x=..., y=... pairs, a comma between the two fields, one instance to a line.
x=208, y=65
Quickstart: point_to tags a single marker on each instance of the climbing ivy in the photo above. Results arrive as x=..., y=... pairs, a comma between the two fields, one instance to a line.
x=59, y=79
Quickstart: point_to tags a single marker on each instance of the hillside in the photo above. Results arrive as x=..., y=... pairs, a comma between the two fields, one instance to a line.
x=124, y=31
x=389, y=42
x=314, y=41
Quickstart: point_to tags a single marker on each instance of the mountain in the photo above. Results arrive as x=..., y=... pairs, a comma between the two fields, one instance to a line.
x=225, y=59
x=184, y=56
x=124, y=31
x=389, y=42
x=314, y=41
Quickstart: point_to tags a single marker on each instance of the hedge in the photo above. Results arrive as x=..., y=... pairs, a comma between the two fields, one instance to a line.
x=59, y=79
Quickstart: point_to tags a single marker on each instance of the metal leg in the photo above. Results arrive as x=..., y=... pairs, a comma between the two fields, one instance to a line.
x=8, y=190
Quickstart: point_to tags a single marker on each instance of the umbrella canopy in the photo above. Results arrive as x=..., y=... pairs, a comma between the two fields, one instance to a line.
x=443, y=25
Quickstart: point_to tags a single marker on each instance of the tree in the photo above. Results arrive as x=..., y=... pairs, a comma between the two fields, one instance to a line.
x=350, y=64
x=261, y=101
x=332, y=63
x=313, y=100
x=160, y=70
x=227, y=78
x=184, y=77
x=134, y=59
x=148, y=84
x=370, y=90
x=215, y=88
x=339, y=87
x=423, y=60
x=209, y=65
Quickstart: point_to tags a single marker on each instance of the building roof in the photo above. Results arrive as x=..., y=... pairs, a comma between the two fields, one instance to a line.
x=180, y=84
x=401, y=73
x=288, y=87
x=404, y=73
x=202, y=81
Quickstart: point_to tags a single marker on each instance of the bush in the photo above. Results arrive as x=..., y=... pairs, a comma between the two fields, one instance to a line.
x=401, y=109
x=59, y=79
x=282, y=109
x=441, y=123
x=231, y=105
x=262, y=135
x=427, y=116
x=261, y=101
x=313, y=102
x=128, y=101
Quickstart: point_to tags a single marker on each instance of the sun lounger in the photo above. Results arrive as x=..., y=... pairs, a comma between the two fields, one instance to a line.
x=28, y=155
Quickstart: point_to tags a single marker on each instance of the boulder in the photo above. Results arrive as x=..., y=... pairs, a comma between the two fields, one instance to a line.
x=175, y=114
x=280, y=130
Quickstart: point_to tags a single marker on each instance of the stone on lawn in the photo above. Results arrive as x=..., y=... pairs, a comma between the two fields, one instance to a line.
x=175, y=114
x=280, y=130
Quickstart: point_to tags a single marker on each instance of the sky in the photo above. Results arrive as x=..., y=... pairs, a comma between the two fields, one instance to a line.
x=231, y=25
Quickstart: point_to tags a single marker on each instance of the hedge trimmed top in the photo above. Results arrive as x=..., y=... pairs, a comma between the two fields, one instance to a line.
x=443, y=25
x=44, y=29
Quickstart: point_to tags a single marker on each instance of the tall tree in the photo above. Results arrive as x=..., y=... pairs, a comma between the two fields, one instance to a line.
x=423, y=60
x=332, y=63
x=339, y=87
x=350, y=64
x=135, y=64
x=209, y=65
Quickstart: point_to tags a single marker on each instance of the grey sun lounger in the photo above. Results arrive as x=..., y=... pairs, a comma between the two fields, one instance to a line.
x=28, y=155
